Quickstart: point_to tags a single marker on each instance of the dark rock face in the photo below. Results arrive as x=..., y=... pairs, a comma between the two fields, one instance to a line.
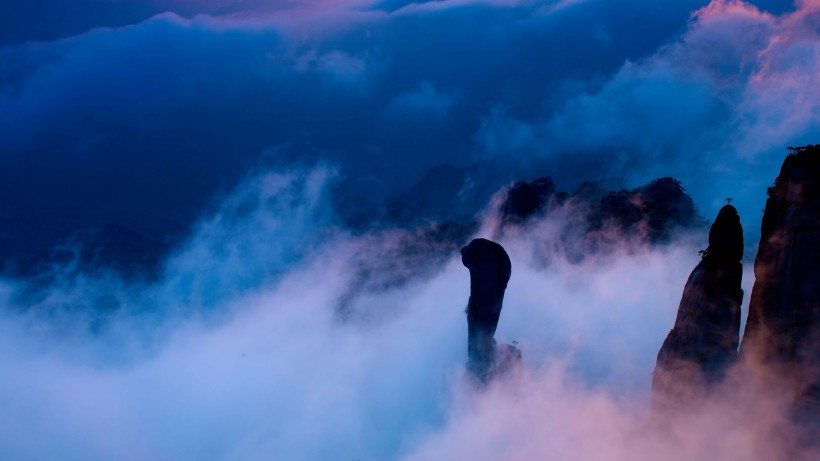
x=593, y=222
x=703, y=343
x=653, y=210
x=525, y=199
x=490, y=270
x=783, y=329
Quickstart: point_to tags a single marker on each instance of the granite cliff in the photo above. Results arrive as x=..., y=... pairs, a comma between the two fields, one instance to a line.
x=783, y=329
x=703, y=343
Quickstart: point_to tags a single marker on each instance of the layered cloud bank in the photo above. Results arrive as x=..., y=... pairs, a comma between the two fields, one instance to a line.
x=251, y=346
x=241, y=350
x=163, y=114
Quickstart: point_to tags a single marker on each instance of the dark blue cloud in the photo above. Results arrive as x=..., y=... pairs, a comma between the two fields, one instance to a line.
x=143, y=125
x=44, y=20
x=24, y=20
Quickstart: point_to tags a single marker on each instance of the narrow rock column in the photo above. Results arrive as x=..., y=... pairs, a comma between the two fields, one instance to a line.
x=703, y=343
x=783, y=329
x=490, y=270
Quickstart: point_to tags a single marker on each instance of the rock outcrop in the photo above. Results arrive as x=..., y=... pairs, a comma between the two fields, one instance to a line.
x=653, y=210
x=703, y=343
x=490, y=270
x=783, y=328
x=526, y=199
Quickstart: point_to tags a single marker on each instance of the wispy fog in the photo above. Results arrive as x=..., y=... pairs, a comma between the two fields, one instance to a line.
x=240, y=352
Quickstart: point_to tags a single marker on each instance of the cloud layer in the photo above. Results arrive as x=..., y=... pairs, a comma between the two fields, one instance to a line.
x=239, y=350
x=142, y=125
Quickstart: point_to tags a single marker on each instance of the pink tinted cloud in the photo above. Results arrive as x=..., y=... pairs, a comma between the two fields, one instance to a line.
x=782, y=98
x=721, y=9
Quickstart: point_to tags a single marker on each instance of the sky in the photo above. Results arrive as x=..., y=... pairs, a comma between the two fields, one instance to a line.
x=167, y=112
x=244, y=132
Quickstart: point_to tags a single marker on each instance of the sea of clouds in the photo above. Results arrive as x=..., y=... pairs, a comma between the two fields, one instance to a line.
x=239, y=349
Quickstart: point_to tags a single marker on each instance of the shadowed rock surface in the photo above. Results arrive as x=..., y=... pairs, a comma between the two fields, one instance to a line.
x=783, y=328
x=596, y=220
x=525, y=199
x=652, y=211
x=703, y=343
x=490, y=270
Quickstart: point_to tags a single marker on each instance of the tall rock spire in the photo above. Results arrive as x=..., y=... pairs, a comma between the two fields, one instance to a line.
x=704, y=340
x=490, y=270
x=783, y=329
